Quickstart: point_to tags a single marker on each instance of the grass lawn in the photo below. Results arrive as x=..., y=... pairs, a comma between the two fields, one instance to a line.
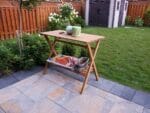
x=124, y=55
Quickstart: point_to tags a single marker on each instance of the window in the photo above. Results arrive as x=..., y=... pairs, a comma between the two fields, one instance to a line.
x=118, y=5
x=126, y=5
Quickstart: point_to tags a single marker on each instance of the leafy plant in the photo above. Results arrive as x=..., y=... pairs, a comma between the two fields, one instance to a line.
x=147, y=18
x=35, y=48
x=35, y=52
x=55, y=21
x=128, y=20
x=68, y=49
x=139, y=22
x=6, y=57
x=66, y=10
x=84, y=53
x=67, y=16
x=79, y=21
x=29, y=4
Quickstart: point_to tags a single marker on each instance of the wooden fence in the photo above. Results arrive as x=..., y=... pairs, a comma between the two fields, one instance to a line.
x=137, y=9
x=33, y=21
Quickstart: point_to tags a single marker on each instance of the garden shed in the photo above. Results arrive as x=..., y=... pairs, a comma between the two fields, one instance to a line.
x=107, y=13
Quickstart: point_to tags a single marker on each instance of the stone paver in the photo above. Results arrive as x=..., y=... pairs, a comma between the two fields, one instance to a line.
x=59, y=80
x=8, y=93
x=47, y=106
x=128, y=93
x=24, y=74
x=146, y=110
x=117, y=89
x=19, y=104
x=142, y=99
x=1, y=111
x=39, y=89
x=49, y=94
x=126, y=107
x=6, y=81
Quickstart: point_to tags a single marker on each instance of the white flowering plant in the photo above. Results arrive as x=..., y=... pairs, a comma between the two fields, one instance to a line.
x=68, y=12
x=55, y=21
x=67, y=16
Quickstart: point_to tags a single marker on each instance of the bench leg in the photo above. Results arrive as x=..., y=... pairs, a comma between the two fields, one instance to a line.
x=92, y=63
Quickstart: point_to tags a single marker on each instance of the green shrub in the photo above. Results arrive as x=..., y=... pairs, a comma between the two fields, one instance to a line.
x=35, y=48
x=6, y=57
x=84, y=53
x=35, y=52
x=128, y=20
x=55, y=22
x=79, y=21
x=139, y=22
x=68, y=49
x=147, y=18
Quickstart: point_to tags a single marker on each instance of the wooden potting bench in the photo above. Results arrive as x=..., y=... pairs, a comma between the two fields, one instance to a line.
x=88, y=41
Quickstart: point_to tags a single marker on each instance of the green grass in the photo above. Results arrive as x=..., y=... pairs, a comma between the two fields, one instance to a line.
x=124, y=55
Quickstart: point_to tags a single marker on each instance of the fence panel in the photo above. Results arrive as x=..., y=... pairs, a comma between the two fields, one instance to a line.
x=137, y=9
x=34, y=20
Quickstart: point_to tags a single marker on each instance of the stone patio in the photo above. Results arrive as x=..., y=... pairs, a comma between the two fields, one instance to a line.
x=58, y=93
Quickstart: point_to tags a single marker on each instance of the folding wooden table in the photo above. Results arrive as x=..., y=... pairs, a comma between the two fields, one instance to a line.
x=84, y=40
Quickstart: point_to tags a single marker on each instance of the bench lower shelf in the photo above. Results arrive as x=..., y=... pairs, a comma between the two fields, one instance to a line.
x=83, y=72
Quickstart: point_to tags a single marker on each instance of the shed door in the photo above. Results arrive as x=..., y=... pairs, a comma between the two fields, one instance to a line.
x=116, y=13
x=99, y=12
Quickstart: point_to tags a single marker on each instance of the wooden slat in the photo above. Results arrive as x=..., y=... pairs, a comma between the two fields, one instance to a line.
x=12, y=21
x=4, y=23
x=137, y=9
x=1, y=27
x=9, y=26
x=33, y=21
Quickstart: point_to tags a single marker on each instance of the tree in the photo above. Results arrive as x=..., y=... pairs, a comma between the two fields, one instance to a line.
x=28, y=4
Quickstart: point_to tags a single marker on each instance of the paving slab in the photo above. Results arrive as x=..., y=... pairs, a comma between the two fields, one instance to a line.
x=126, y=107
x=128, y=93
x=117, y=89
x=19, y=104
x=6, y=81
x=61, y=95
x=1, y=111
x=142, y=99
x=57, y=77
x=8, y=93
x=146, y=110
x=39, y=89
x=106, y=85
x=88, y=104
x=47, y=106
x=20, y=75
